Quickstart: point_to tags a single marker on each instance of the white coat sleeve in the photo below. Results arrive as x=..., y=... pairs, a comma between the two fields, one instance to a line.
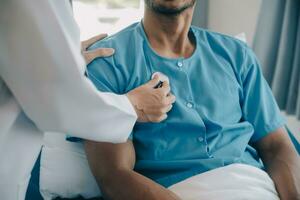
x=41, y=63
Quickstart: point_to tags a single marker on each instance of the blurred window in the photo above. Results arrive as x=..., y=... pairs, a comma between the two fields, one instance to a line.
x=106, y=16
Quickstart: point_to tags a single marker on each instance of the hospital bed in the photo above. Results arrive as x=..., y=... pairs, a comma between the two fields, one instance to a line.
x=33, y=189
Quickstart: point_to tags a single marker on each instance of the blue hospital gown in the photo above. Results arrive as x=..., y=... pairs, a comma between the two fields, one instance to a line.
x=223, y=103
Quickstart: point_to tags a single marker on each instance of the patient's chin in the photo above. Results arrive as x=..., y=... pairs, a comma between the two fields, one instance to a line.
x=164, y=7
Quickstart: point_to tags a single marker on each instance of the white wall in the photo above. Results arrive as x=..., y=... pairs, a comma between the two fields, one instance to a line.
x=234, y=16
x=294, y=126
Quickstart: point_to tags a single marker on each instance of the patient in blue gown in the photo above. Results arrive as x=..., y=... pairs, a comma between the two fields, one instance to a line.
x=223, y=104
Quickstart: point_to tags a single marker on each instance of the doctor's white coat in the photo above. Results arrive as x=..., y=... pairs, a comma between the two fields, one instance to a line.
x=43, y=88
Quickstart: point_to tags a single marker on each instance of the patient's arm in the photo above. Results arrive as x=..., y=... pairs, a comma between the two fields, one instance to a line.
x=282, y=163
x=112, y=166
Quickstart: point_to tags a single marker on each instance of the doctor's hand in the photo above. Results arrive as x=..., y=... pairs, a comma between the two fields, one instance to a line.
x=89, y=56
x=152, y=105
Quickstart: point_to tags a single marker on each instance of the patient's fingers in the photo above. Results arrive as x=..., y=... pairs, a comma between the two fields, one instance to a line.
x=89, y=56
x=87, y=43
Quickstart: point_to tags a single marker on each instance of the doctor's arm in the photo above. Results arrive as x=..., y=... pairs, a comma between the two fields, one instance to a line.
x=282, y=162
x=112, y=166
x=42, y=65
x=150, y=105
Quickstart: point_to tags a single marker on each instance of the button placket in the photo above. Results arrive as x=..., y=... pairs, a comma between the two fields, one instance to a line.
x=189, y=105
x=200, y=139
x=179, y=64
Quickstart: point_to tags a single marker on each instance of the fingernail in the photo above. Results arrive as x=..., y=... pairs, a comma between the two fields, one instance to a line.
x=111, y=52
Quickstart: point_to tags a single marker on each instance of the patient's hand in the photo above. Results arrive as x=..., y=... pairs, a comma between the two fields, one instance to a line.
x=89, y=56
x=152, y=104
x=112, y=166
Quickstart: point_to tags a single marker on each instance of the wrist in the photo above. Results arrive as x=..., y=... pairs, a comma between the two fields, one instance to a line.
x=131, y=98
x=134, y=102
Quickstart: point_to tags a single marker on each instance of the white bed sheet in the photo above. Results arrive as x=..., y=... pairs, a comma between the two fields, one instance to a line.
x=65, y=173
x=233, y=182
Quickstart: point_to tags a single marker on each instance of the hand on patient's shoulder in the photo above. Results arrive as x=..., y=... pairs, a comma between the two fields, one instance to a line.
x=151, y=103
x=89, y=56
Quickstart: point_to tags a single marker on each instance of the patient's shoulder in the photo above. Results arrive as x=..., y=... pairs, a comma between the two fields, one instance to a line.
x=219, y=39
x=127, y=44
x=227, y=48
x=117, y=70
x=121, y=41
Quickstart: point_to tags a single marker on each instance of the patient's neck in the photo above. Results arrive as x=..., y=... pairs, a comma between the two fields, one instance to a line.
x=169, y=35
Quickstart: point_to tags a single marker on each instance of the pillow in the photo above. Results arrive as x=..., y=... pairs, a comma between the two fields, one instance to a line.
x=242, y=37
x=64, y=170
